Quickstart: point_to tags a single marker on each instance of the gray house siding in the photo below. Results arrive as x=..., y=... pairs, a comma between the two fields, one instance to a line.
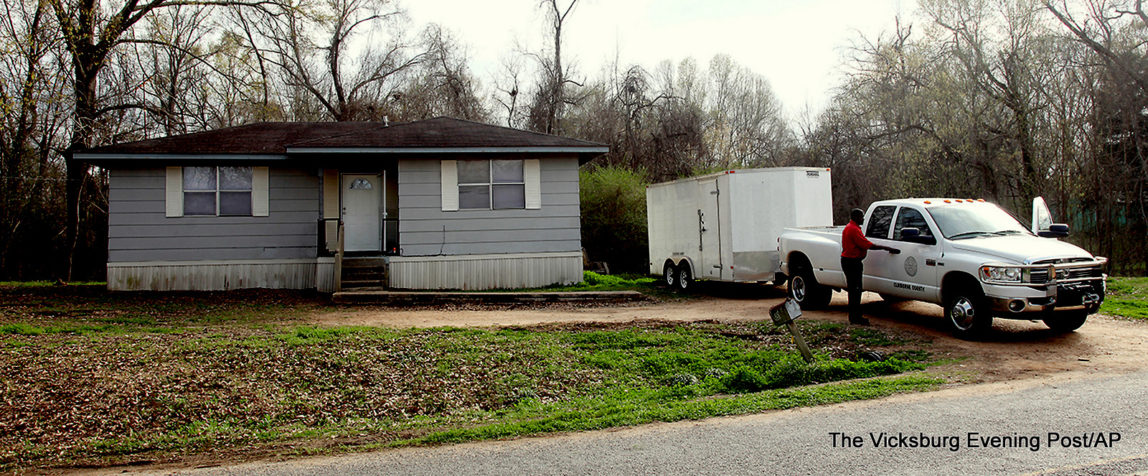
x=426, y=230
x=138, y=231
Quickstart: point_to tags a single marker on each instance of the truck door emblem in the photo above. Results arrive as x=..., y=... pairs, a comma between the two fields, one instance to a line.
x=911, y=266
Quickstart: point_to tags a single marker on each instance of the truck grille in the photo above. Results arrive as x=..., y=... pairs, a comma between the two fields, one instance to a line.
x=1040, y=276
x=1078, y=273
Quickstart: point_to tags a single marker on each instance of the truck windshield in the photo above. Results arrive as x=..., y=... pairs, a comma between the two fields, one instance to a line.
x=978, y=219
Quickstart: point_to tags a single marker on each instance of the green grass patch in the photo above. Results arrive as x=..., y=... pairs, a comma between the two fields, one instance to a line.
x=646, y=405
x=47, y=284
x=22, y=329
x=1126, y=297
x=115, y=396
x=592, y=281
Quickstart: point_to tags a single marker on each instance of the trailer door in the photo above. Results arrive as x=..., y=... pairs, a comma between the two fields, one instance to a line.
x=709, y=231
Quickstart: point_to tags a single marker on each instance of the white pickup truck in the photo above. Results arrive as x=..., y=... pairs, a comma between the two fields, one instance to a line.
x=970, y=256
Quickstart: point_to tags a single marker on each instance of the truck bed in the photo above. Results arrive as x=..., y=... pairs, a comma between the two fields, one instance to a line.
x=820, y=229
x=815, y=241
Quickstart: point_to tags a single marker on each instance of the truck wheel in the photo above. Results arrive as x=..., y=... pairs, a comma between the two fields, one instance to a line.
x=968, y=313
x=804, y=289
x=685, y=278
x=1066, y=321
x=669, y=275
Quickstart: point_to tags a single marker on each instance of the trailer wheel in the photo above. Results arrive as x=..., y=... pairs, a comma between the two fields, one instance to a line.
x=669, y=275
x=804, y=289
x=685, y=278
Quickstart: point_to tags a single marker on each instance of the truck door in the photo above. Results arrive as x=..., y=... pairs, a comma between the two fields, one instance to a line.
x=913, y=273
x=709, y=231
x=878, y=227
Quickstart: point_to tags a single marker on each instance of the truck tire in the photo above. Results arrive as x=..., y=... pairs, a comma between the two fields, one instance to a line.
x=804, y=289
x=1065, y=321
x=669, y=275
x=968, y=312
x=685, y=278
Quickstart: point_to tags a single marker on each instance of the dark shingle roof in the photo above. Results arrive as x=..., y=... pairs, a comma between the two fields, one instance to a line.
x=279, y=138
x=441, y=132
x=258, y=138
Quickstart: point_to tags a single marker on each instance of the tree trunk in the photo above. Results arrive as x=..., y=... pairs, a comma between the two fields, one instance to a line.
x=77, y=172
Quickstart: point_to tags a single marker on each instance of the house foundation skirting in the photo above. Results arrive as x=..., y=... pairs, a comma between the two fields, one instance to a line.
x=475, y=272
x=325, y=275
x=219, y=275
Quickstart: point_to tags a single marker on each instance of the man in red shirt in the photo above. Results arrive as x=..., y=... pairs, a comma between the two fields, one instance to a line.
x=854, y=247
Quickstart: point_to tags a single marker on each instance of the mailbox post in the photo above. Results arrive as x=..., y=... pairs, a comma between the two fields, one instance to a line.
x=784, y=314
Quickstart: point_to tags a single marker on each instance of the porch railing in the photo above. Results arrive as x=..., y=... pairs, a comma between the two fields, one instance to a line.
x=324, y=247
x=339, y=261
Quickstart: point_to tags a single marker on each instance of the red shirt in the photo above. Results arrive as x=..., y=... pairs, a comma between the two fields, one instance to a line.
x=853, y=242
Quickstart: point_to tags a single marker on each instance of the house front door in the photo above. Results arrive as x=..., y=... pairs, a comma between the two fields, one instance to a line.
x=362, y=199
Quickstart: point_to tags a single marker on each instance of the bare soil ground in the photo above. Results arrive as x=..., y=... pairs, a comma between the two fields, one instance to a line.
x=1015, y=354
x=1013, y=350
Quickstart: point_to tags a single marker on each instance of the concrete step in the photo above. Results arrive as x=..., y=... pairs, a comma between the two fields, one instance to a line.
x=364, y=263
x=364, y=273
x=362, y=283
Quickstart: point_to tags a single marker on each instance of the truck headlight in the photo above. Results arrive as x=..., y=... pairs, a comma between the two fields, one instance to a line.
x=1001, y=274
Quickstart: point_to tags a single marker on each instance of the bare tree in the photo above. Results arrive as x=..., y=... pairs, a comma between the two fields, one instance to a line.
x=995, y=43
x=508, y=87
x=31, y=118
x=1099, y=33
x=1114, y=32
x=311, y=42
x=746, y=127
x=442, y=85
x=91, y=32
x=551, y=95
x=171, y=56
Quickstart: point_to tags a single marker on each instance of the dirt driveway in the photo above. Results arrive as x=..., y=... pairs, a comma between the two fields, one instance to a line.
x=1013, y=350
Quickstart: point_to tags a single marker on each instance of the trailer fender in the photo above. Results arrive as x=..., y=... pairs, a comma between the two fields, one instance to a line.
x=679, y=260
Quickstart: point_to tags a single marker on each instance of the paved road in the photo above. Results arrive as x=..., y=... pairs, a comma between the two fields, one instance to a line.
x=1082, y=409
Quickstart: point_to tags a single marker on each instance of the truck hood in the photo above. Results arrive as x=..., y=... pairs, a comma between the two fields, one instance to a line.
x=1020, y=249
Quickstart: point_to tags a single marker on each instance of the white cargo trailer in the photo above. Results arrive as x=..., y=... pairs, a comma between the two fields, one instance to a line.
x=724, y=226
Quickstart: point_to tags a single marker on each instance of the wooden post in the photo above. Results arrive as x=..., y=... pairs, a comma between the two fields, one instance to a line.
x=339, y=259
x=800, y=341
x=785, y=313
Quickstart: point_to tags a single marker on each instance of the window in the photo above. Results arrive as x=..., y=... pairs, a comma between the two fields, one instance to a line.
x=972, y=220
x=224, y=191
x=491, y=184
x=911, y=218
x=879, y=222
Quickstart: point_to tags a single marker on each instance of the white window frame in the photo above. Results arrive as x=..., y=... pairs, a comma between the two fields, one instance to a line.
x=531, y=173
x=490, y=183
x=175, y=193
x=219, y=191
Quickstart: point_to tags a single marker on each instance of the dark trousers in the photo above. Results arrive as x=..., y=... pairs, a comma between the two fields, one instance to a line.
x=853, y=268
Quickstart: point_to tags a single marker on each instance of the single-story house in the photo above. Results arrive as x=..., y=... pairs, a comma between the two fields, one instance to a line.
x=435, y=204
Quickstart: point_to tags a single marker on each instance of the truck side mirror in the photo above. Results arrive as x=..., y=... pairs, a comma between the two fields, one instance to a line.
x=1055, y=230
x=913, y=235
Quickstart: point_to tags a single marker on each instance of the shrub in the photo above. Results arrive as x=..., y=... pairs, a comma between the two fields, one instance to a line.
x=613, y=203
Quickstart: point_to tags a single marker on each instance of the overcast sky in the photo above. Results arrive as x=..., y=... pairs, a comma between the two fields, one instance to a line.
x=797, y=45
